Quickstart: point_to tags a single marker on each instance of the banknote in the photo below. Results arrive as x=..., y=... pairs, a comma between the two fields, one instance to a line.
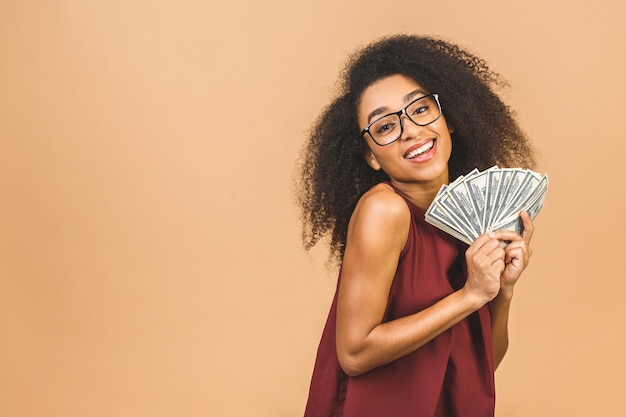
x=485, y=201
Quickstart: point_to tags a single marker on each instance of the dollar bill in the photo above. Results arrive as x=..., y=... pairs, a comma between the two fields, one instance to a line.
x=484, y=201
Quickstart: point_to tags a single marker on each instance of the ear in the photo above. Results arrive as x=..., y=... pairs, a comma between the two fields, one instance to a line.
x=371, y=160
x=451, y=129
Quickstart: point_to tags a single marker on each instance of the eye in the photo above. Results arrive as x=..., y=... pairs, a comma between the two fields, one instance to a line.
x=420, y=109
x=384, y=127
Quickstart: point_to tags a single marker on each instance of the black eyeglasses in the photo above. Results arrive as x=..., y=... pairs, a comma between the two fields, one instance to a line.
x=388, y=129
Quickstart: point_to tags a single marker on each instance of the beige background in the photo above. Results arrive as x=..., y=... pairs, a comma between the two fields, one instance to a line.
x=150, y=262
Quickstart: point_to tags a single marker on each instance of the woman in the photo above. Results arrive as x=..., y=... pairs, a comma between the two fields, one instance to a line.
x=419, y=320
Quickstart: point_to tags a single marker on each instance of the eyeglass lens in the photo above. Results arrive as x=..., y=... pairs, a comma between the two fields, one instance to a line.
x=388, y=128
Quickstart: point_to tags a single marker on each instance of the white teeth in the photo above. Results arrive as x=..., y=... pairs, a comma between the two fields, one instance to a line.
x=424, y=148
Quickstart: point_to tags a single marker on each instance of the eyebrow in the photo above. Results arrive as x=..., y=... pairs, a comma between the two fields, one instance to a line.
x=383, y=109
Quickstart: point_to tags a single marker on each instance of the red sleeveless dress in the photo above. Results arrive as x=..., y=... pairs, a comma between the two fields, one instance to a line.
x=450, y=376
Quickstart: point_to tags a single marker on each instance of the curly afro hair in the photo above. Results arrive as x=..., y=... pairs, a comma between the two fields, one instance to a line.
x=333, y=174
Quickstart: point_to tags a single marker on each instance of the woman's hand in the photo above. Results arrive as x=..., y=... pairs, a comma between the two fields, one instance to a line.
x=517, y=252
x=491, y=268
x=485, y=265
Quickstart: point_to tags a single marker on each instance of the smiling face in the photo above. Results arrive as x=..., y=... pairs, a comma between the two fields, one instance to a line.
x=419, y=158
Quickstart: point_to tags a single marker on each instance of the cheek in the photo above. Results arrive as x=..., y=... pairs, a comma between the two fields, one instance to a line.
x=446, y=145
x=445, y=136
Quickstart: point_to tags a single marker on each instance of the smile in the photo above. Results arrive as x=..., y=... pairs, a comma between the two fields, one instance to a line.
x=418, y=151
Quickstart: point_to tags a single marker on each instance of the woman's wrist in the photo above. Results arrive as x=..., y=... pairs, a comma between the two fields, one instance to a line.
x=505, y=293
x=473, y=299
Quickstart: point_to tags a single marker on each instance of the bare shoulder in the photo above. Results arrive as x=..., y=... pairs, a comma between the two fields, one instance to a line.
x=382, y=200
x=377, y=235
x=381, y=212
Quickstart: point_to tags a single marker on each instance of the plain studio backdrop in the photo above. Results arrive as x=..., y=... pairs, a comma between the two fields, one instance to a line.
x=150, y=255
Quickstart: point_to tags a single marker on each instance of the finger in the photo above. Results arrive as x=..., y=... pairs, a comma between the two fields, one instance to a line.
x=529, y=228
x=498, y=267
x=510, y=235
x=497, y=255
x=527, y=233
x=487, y=254
x=491, y=255
x=517, y=245
x=514, y=253
x=480, y=242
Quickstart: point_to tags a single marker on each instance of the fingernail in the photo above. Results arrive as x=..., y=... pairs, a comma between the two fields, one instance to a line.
x=492, y=234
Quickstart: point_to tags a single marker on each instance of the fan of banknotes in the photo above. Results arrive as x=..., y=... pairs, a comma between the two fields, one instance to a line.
x=486, y=201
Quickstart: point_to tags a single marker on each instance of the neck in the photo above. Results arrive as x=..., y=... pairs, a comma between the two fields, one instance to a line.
x=420, y=194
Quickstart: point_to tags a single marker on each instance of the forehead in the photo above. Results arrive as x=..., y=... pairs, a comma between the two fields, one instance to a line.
x=389, y=93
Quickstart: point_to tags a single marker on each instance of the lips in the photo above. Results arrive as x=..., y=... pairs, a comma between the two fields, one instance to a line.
x=419, y=149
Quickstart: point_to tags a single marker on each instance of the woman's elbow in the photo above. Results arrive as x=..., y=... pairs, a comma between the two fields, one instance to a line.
x=351, y=364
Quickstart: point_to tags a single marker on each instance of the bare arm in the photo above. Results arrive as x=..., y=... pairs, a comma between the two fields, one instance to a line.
x=517, y=255
x=376, y=236
x=499, y=309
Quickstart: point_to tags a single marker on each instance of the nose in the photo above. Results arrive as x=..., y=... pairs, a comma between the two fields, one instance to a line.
x=410, y=129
